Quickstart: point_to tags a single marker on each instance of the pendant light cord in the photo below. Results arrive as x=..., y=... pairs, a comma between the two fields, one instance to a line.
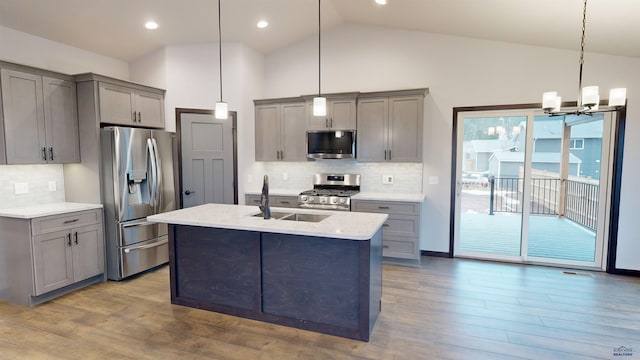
x=319, y=53
x=584, y=26
x=220, y=45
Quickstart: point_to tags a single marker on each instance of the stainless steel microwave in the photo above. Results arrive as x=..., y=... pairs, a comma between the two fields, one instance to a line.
x=331, y=144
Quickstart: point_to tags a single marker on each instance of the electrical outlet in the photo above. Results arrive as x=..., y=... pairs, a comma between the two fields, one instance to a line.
x=21, y=188
x=52, y=186
x=387, y=179
x=433, y=180
x=285, y=176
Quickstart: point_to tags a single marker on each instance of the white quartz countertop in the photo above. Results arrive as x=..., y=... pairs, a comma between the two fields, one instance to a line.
x=340, y=224
x=35, y=211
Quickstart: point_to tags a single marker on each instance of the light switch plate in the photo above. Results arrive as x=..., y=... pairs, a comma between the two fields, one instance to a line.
x=52, y=186
x=21, y=188
x=285, y=176
x=433, y=180
x=387, y=179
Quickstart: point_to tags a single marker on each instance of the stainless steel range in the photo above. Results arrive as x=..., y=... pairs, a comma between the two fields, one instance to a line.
x=331, y=192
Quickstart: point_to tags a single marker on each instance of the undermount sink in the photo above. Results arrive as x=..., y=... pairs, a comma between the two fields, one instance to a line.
x=294, y=216
x=305, y=217
x=274, y=214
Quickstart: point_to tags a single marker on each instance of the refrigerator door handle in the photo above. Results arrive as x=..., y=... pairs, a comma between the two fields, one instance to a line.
x=151, y=176
x=158, y=174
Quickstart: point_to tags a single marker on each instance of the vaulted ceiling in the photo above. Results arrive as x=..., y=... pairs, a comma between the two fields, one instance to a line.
x=115, y=27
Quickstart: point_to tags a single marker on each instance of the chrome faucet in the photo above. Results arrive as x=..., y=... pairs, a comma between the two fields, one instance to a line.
x=264, y=198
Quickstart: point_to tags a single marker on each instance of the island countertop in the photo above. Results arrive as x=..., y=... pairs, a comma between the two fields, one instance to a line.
x=340, y=224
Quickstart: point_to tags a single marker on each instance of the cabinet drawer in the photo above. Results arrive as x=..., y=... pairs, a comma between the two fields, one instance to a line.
x=284, y=201
x=387, y=207
x=399, y=247
x=252, y=199
x=52, y=223
x=402, y=225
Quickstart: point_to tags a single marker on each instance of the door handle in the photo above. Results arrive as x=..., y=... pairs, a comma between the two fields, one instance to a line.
x=51, y=153
x=189, y=192
x=76, y=236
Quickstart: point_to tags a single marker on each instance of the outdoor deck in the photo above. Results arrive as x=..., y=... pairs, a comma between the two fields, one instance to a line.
x=549, y=236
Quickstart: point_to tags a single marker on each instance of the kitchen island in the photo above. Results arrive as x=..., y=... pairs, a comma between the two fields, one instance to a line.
x=318, y=270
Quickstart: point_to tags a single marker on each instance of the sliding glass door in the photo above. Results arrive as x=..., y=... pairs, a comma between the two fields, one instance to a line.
x=532, y=188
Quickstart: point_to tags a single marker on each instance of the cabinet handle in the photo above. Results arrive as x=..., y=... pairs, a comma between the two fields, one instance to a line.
x=134, y=116
x=139, y=116
x=281, y=154
x=44, y=153
x=51, y=153
x=383, y=207
x=326, y=123
x=385, y=225
x=389, y=154
x=385, y=154
x=76, y=236
x=69, y=239
x=71, y=221
x=284, y=202
x=331, y=122
x=385, y=246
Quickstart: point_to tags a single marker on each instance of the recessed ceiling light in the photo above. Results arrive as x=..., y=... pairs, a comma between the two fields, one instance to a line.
x=151, y=25
x=381, y=2
x=262, y=24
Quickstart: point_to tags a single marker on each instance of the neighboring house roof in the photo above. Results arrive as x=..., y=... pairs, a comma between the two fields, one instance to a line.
x=487, y=146
x=538, y=157
x=552, y=129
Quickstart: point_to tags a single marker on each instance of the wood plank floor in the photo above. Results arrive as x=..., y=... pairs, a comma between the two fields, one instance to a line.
x=445, y=309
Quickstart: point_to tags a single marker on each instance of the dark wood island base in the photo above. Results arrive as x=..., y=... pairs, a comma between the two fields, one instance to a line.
x=322, y=284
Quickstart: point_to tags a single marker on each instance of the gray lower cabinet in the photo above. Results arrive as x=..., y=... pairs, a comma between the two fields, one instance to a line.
x=390, y=126
x=52, y=255
x=280, y=131
x=40, y=121
x=401, y=231
x=341, y=113
x=274, y=200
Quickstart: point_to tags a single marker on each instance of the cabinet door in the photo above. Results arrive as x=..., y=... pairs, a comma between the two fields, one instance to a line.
x=117, y=105
x=405, y=129
x=342, y=114
x=316, y=122
x=284, y=201
x=88, y=253
x=267, y=132
x=52, y=261
x=61, y=121
x=24, y=117
x=372, y=129
x=150, y=108
x=293, y=132
x=250, y=199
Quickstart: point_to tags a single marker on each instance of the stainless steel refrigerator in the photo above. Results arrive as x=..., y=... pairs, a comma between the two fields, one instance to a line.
x=137, y=181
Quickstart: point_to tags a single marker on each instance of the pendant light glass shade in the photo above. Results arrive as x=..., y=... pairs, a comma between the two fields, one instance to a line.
x=222, y=111
x=617, y=97
x=319, y=106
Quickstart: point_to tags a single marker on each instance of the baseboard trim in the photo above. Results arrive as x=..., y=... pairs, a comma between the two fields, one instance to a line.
x=635, y=273
x=435, y=253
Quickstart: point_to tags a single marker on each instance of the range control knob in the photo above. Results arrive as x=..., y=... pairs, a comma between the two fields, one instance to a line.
x=303, y=198
x=333, y=200
x=343, y=200
x=311, y=199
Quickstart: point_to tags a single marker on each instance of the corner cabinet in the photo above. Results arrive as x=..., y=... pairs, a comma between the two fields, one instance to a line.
x=40, y=120
x=280, y=130
x=341, y=113
x=51, y=255
x=390, y=126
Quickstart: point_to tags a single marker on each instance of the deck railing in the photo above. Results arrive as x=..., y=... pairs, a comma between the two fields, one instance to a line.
x=580, y=198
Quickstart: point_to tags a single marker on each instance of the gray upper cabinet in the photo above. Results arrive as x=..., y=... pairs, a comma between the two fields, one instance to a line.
x=341, y=113
x=390, y=126
x=280, y=131
x=123, y=105
x=40, y=118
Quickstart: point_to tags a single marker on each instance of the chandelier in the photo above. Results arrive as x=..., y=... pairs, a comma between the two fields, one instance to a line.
x=588, y=96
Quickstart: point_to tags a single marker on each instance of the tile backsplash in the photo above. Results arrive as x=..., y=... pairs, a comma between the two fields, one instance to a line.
x=407, y=177
x=38, y=179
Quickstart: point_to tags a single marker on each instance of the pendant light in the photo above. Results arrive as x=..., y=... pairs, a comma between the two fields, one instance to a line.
x=319, y=102
x=588, y=96
x=221, y=111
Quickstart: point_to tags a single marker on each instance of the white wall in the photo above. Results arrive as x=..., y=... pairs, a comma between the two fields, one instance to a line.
x=25, y=49
x=459, y=72
x=190, y=74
